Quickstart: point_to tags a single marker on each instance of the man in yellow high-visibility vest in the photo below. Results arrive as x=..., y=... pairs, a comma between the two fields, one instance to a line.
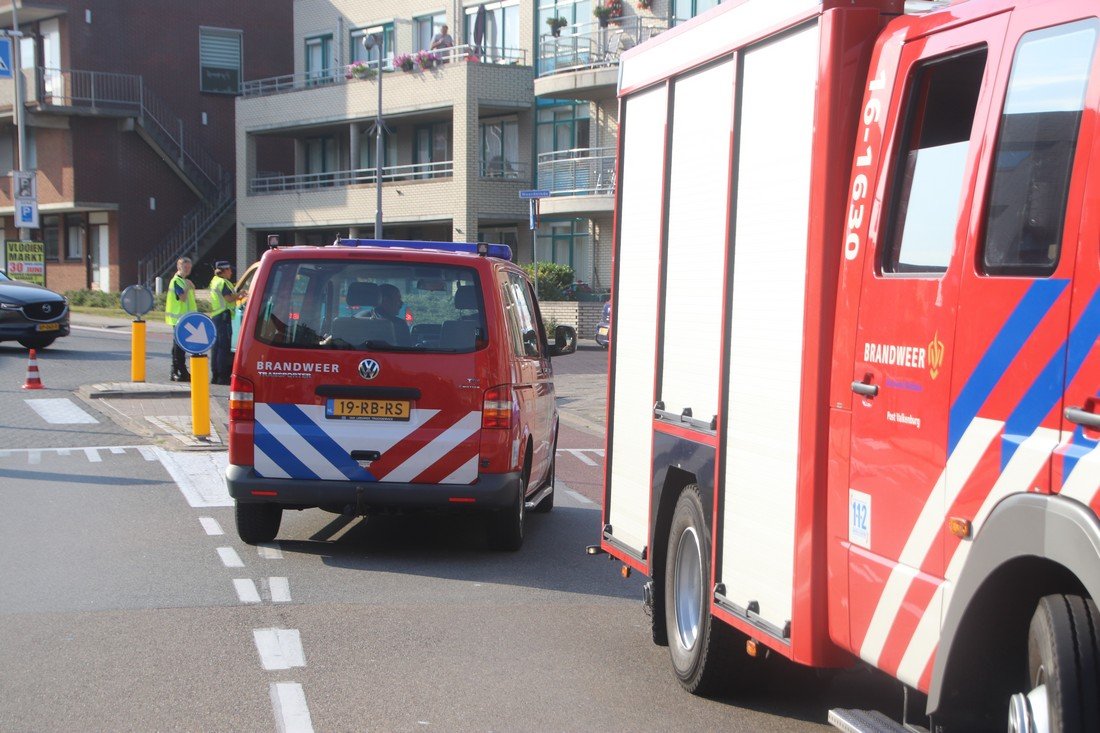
x=222, y=296
x=180, y=300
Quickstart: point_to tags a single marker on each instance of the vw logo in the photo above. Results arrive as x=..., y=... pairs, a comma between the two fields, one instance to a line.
x=368, y=369
x=47, y=308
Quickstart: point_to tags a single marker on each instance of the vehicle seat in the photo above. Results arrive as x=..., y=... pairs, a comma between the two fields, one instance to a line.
x=358, y=331
x=362, y=294
x=466, y=300
x=426, y=333
x=459, y=334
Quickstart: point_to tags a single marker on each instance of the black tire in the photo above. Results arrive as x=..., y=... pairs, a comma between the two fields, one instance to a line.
x=1063, y=653
x=37, y=343
x=696, y=641
x=547, y=504
x=258, y=522
x=506, y=525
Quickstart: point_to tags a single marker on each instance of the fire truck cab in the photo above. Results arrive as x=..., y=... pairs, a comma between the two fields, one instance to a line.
x=859, y=420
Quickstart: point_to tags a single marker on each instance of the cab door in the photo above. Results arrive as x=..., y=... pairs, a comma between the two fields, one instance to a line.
x=901, y=449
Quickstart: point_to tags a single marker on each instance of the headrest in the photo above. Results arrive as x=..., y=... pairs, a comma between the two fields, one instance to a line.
x=363, y=294
x=466, y=298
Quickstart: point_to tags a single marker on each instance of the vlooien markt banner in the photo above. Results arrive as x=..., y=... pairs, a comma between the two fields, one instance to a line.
x=26, y=261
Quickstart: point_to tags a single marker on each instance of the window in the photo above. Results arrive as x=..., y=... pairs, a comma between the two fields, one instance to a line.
x=368, y=145
x=425, y=28
x=562, y=127
x=500, y=149
x=686, y=9
x=928, y=175
x=51, y=236
x=359, y=53
x=523, y=313
x=74, y=237
x=219, y=60
x=500, y=37
x=319, y=59
x=320, y=158
x=1035, y=150
x=433, y=145
x=330, y=304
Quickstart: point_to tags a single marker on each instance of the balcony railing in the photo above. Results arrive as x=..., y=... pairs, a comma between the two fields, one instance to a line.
x=343, y=74
x=587, y=45
x=336, y=179
x=497, y=167
x=578, y=172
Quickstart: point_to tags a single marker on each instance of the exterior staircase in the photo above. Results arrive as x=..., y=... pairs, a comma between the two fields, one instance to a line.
x=127, y=96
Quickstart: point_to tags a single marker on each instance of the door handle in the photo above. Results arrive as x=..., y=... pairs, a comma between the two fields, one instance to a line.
x=1083, y=417
x=867, y=390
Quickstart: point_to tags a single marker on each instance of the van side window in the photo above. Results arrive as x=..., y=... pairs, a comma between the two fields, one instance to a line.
x=512, y=317
x=1035, y=150
x=928, y=175
x=529, y=326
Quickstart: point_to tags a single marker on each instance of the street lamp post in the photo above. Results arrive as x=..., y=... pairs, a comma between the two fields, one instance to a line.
x=370, y=41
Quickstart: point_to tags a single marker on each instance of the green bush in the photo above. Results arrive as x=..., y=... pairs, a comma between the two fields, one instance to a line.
x=99, y=299
x=555, y=280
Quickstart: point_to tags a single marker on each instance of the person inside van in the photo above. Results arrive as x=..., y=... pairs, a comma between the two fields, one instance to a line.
x=390, y=308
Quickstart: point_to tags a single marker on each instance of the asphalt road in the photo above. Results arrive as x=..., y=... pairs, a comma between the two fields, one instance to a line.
x=125, y=607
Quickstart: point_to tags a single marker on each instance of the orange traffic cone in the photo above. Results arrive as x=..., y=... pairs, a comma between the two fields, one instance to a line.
x=33, y=381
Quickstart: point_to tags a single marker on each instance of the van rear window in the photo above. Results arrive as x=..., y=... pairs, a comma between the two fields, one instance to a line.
x=372, y=306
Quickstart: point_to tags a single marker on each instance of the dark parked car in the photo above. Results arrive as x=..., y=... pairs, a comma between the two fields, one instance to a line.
x=603, y=328
x=31, y=314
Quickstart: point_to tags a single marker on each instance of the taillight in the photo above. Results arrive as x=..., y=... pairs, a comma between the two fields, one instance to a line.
x=499, y=408
x=240, y=400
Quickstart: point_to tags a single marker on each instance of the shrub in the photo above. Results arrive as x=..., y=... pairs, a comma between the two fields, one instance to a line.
x=555, y=280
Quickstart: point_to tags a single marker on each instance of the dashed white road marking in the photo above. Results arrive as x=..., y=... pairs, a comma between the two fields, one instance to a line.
x=291, y=713
x=279, y=648
x=148, y=452
x=34, y=457
x=279, y=589
x=63, y=451
x=117, y=450
x=579, y=497
x=269, y=551
x=230, y=558
x=579, y=454
x=61, y=411
x=246, y=590
x=199, y=476
x=211, y=526
x=93, y=455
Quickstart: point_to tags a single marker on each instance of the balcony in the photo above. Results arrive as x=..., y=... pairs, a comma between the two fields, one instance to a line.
x=342, y=179
x=580, y=181
x=584, y=64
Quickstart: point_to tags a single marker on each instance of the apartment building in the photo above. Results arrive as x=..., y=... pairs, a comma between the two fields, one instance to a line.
x=129, y=126
x=512, y=106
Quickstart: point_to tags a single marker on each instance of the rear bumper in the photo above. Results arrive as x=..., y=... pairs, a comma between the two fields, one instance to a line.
x=492, y=491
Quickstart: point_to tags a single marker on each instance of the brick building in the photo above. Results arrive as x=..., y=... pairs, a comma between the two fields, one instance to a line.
x=512, y=108
x=129, y=124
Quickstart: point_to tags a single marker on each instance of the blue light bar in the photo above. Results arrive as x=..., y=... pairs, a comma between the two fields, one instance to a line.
x=500, y=251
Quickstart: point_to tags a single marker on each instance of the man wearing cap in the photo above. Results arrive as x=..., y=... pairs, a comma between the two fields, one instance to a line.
x=222, y=294
x=180, y=300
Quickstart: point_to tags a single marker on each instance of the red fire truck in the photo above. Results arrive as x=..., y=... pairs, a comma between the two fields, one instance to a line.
x=854, y=394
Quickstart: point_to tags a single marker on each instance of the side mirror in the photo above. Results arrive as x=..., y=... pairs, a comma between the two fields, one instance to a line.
x=565, y=341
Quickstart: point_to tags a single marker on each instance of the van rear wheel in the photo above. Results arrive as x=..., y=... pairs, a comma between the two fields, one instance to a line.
x=258, y=522
x=695, y=638
x=506, y=525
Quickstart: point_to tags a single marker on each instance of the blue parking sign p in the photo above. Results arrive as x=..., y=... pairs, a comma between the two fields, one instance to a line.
x=5, y=58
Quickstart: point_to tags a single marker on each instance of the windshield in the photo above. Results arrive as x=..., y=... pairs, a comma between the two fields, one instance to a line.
x=365, y=306
x=3, y=276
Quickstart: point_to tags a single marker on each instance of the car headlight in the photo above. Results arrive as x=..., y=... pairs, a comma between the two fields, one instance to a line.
x=10, y=306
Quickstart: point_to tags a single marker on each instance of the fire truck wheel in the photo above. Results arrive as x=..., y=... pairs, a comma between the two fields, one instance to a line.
x=694, y=641
x=506, y=525
x=1063, y=654
x=258, y=522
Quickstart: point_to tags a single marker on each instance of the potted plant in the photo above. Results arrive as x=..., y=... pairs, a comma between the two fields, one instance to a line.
x=404, y=61
x=360, y=70
x=425, y=60
x=556, y=24
x=645, y=4
x=607, y=11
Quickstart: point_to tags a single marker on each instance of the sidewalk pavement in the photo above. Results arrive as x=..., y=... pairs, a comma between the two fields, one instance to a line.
x=162, y=410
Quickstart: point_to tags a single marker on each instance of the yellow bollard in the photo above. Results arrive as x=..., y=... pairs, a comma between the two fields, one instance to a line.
x=137, y=350
x=200, y=395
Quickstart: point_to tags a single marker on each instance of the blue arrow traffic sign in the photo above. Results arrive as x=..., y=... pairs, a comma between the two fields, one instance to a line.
x=5, y=58
x=195, y=333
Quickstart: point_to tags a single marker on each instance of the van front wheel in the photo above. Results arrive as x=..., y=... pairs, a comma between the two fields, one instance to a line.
x=258, y=522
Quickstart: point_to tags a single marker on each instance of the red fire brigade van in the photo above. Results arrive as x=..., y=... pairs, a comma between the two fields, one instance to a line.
x=859, y=420
x=337, y=403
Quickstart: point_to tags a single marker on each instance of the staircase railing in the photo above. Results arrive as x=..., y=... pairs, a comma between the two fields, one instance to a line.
x=186, y=238
x=105, y=92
